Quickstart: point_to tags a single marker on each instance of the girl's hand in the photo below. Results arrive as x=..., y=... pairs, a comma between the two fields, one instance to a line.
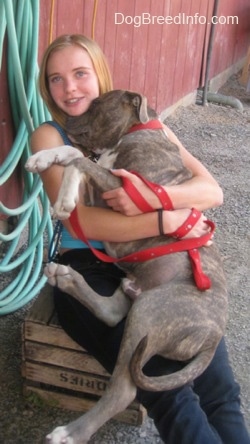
x=172, y=220
x=118, y=199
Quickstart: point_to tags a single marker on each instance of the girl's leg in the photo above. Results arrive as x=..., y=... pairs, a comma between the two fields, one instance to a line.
x=101, y=341
x=219, y=396
x=177, y=414
x=208, y=412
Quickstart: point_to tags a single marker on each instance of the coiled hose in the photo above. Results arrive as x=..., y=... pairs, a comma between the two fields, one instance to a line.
x=20, y=19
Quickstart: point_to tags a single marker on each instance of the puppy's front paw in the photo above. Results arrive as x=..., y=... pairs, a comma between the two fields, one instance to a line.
x=61, y=155
x=69, y=192
x=64, y=207
x=39, y=162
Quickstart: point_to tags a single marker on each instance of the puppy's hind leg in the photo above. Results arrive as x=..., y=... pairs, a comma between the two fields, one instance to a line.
x=119, y=394
x=110, y=310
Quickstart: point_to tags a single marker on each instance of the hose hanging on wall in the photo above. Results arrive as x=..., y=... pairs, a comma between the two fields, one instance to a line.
x=20, y=20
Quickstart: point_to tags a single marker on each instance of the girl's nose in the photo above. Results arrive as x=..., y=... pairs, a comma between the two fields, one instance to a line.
x=69, y=85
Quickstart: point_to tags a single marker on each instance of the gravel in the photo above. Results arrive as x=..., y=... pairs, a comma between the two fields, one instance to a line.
x=220, y=137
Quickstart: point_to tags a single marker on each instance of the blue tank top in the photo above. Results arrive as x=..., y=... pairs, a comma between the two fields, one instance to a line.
x=67, y=241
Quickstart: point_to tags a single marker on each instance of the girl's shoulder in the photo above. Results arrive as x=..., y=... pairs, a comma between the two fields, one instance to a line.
x=49, y=134
x=46, y=127
x=60, y=130
x=45, y=136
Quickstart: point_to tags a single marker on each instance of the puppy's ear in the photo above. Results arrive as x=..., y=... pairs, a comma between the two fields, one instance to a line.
x=140, y=102
x=73, y=125
x=76, y=125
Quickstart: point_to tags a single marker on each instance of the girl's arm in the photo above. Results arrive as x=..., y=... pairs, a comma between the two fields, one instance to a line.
x=114, y=226
x=201, y=192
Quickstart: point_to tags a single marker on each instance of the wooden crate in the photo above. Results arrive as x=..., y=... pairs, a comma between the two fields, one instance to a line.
x=58, y=370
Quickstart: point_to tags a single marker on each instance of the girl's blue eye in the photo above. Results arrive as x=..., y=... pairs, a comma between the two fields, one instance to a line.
x=55, y=79
x=80, y=73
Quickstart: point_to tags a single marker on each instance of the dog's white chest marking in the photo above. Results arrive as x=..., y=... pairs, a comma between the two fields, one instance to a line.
x=107, y=159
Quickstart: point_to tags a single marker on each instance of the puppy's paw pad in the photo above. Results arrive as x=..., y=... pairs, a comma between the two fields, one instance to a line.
x=63, y=208
x=59, y=436
x=50, y=269
x=130, y=288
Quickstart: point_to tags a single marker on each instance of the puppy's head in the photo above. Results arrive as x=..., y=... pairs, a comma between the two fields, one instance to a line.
x=108, y=118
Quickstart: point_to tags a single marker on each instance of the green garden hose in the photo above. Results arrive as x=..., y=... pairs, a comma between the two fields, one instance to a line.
x=20, y=20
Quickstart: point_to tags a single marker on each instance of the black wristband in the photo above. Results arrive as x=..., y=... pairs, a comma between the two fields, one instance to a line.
x=160, y=222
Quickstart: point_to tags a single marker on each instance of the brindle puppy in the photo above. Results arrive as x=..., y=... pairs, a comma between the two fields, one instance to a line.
x=171, y=317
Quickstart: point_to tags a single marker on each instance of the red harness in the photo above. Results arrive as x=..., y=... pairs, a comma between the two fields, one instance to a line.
x=160, y=192
x=191, y=245
x=151, y=124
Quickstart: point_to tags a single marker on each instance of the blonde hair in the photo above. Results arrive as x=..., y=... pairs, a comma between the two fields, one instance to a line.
x=99, y=63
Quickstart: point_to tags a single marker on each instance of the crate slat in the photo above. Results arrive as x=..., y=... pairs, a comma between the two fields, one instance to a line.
x=62, y=357
x=65, y=378
x=45, y=334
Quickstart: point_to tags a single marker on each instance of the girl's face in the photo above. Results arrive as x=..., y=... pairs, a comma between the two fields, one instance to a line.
x=73, y=83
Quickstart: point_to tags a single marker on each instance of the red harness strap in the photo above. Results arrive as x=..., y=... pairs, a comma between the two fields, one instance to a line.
x=151, y=124
x=139, y=200
x=132, y=191
x=190, y=245
x=187, y=225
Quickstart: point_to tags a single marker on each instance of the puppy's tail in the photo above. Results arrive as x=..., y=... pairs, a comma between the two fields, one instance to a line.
x=187, y=374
